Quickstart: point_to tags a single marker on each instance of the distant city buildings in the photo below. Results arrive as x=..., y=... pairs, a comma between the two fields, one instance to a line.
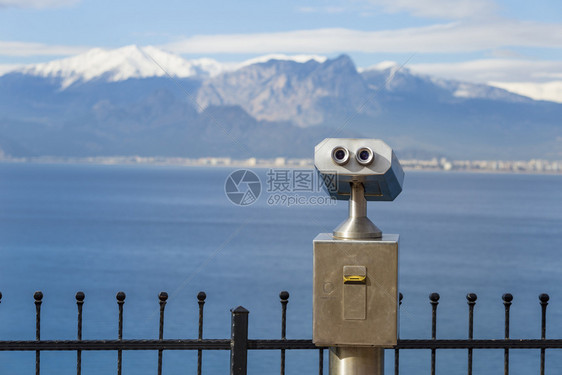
x=442, y=164
x=530, y=166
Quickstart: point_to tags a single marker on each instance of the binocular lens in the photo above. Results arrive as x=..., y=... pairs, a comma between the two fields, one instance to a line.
x=340, y=155
x=365, y=156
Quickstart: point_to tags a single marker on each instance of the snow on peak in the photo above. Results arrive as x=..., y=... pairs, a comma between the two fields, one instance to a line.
x=132, y=61
x=295, y=58
x=551, y=91
x=121, y=64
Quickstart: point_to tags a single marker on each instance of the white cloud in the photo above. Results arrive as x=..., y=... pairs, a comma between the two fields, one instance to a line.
x=36, y=3
x=441, y=38
x=436, y=9
x=497, y=70
x=5, y=68
x=551, y=91
x=506, y=53
x=540, y=80
x=446, y=9
x=37, y=49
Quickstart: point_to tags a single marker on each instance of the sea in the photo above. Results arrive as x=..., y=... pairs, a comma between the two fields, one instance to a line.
x=144, y=229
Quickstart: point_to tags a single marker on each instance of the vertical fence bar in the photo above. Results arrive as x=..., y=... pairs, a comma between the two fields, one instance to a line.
x=120, y=301
x=544, y=302
x=201, y=296
x=163, y=297
x=471, y=300
x=507, y=298
x=397, y=351
x=239, y=341
x=284, y=297
x=434, y=300
x=38, y=296
x=79, y=303
x=321, y=361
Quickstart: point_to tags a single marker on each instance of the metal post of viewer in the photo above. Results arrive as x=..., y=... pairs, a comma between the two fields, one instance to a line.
x=355, y=281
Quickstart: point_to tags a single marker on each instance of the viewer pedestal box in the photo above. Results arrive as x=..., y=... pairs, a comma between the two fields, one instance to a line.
x=355, y=291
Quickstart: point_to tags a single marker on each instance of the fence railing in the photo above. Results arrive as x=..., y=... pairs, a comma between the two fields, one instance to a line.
x=239, y=343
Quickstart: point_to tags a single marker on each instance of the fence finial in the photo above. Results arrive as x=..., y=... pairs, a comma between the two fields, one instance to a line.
x=201, y=296
x=284, y=295
x=507, y=298
x=120, y=296
x=434, y=297
x=80, y=296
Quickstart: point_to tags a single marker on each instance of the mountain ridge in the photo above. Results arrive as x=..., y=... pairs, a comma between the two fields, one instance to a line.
x=276, y=107
x=134, y=61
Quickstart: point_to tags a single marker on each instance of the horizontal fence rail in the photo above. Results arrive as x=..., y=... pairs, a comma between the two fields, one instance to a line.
x=239, y=343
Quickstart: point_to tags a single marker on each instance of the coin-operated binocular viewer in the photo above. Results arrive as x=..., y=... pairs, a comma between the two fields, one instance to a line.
x=355, y=281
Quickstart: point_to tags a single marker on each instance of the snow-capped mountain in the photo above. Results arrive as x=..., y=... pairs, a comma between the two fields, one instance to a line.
x=122, y=64
x=397, y=77
x=109, y=102
x=133, y=61
x=112, y=65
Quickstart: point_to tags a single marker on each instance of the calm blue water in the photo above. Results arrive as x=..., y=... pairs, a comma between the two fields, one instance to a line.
x=102, y=229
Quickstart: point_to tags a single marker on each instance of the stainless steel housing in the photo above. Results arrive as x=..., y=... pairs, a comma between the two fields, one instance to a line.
x=382, y=177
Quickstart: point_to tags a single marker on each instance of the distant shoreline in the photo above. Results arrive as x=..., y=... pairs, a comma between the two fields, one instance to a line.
x=534, y=166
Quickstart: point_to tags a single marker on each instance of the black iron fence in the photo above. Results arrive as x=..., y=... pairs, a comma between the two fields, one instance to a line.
x=239, y=344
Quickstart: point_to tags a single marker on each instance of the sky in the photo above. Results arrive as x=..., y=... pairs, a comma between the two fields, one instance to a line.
x=513, y=44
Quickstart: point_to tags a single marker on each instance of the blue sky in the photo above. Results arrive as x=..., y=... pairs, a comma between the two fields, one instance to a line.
x=507, y=42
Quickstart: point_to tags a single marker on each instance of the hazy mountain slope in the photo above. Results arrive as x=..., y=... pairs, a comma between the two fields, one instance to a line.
x=159, y=119
x=306, y=94
x=460, y=119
